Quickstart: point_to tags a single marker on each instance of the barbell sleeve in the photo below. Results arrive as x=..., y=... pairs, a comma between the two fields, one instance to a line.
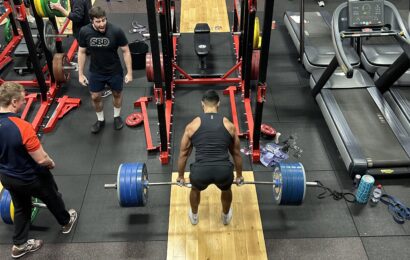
x=69, y=67
x=52, y=35
x=110, y=186
x=39, y=205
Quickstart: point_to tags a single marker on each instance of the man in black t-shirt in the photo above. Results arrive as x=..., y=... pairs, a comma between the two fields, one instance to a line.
x=103, y=39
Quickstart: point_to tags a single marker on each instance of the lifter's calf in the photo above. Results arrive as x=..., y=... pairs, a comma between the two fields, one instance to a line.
x=226, y=199
x=195, y=199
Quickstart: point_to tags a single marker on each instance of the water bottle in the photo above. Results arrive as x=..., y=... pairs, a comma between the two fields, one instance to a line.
x=377, y=193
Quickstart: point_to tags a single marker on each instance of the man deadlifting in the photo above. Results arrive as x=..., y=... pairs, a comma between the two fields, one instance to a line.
x=213, y=136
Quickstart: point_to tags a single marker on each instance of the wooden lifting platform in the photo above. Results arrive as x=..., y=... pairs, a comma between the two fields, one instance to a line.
x=210, y=239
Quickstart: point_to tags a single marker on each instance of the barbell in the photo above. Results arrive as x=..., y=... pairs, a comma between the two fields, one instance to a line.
x=289, y=184
x=7, y=207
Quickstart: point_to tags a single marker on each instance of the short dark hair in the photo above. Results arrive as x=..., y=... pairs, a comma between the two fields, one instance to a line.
x=96, y=12
x=210, y=97
x=8, y=91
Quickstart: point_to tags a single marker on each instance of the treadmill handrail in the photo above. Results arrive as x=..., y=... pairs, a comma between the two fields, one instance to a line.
x=399, y=20
x=337, y=35
x=337, y=43
x=378, y=33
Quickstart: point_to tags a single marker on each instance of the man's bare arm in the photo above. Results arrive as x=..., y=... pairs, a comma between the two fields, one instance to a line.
x=184, y=151
x=128, y=62
x=235, y=147
x=42, y=158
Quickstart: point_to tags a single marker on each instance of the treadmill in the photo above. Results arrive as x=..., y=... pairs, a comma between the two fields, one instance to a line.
x=383, y=51
x=315, y=45
x=394, y=81
x=369, y=136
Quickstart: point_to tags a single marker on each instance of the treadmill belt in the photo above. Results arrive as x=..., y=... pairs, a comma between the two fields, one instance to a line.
x=319, y=48
x=315, y=25
x=368, y=125
x=404, y=92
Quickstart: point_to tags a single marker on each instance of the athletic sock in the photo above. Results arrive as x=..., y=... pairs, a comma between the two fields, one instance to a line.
x=117, y=111
x=100, y=116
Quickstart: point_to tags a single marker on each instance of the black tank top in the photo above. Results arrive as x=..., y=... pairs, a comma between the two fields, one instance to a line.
x=211, y=140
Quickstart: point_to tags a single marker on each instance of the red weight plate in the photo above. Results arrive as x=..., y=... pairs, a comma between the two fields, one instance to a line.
x=268, y=130
x=149, y=67
x=134, y=119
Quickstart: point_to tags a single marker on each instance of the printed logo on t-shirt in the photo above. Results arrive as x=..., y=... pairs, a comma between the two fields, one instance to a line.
x=99, y=42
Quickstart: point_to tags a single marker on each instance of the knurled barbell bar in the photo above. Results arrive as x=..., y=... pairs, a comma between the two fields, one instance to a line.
x=289, y=184
x=7, y=207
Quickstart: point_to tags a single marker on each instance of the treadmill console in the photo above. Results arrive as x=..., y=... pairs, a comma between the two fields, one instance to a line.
x=366, y=13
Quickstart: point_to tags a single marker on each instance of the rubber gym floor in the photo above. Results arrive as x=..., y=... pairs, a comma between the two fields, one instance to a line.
x=318, y=229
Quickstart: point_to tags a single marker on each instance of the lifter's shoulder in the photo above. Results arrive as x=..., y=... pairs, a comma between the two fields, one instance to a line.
x=193, y=126
x=229, y=126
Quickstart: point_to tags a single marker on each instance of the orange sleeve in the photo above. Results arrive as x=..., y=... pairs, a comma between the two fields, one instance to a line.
x=28, y=135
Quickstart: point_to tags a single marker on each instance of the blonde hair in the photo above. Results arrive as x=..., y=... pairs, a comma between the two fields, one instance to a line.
x=8, y=91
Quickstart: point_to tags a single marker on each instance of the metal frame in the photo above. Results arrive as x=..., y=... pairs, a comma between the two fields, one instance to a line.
x=164, y=86
x=44, y=78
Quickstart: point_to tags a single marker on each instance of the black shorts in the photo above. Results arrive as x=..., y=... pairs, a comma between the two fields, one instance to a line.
x=220, y=174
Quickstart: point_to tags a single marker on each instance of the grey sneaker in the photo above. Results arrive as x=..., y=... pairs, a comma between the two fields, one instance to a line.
x=73, y=217
x=106, y=93
x=31, y=245
x=226, y=218
x=193, y=217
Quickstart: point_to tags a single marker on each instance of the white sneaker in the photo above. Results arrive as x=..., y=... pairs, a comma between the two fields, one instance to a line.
x=106, y=93
x=73, y=217
x=193, y=217
x=226, y=218
x=31, y=19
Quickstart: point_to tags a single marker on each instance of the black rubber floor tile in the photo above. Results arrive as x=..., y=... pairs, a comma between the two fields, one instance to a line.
x=45, y=225
x=295, y=105
x=388, y=247
x=88, y=251
x=314, y=218
x=123, y=224
x=316, y=248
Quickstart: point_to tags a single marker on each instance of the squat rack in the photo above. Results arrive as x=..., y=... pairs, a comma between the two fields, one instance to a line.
x=44, y=78
x=164, y=86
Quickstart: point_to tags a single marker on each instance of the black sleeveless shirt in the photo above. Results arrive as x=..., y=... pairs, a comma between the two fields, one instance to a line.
x=211, y=140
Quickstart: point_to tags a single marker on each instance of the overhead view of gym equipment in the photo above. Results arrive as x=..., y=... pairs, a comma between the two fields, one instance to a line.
x=314, y=99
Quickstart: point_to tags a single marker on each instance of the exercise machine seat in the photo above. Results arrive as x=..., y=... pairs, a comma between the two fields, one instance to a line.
x=202, y=39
